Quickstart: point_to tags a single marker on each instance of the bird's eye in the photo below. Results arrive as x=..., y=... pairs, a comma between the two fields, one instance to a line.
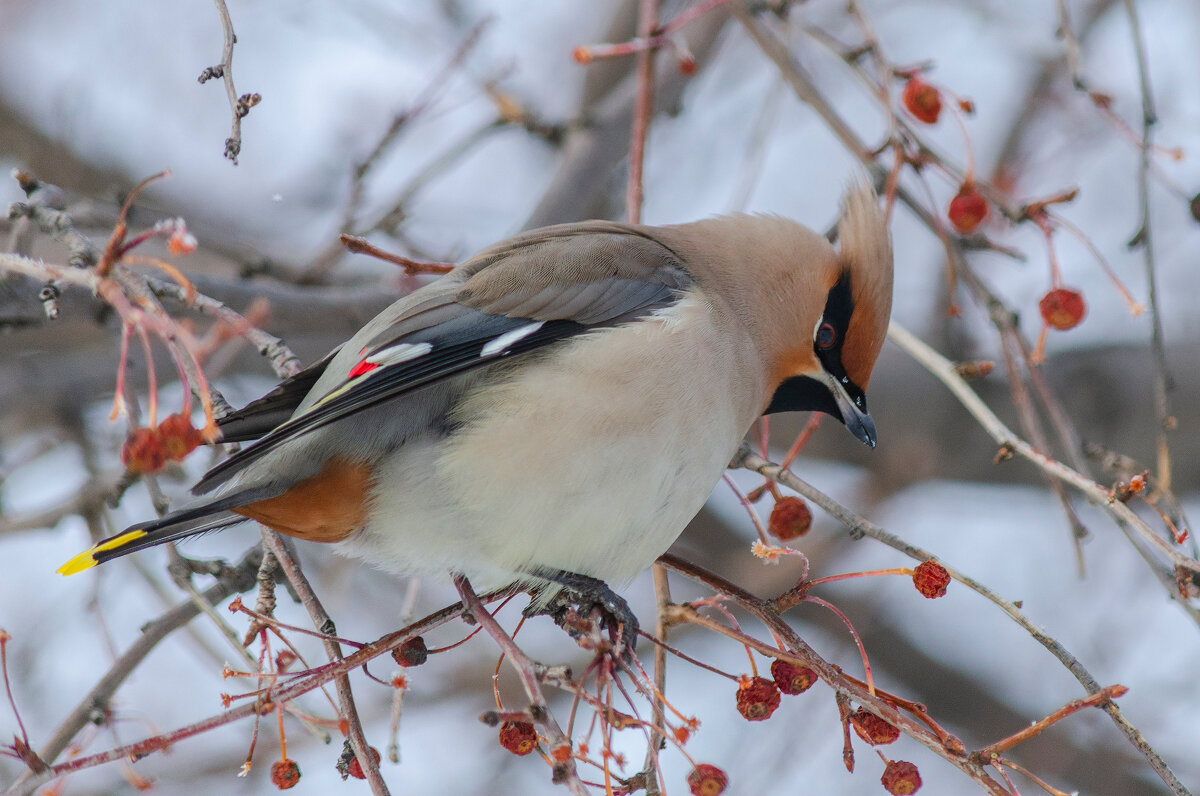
x=826, y=336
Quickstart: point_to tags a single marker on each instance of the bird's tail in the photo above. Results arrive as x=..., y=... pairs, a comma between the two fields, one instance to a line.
x=199, y=518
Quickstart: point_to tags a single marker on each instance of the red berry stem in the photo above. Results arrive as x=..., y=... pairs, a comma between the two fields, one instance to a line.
x=122, y=369
x=870, y=573
x=862, y=651
x=1135, y=307
x=749, y=507
x=918, y=711
x=1097, y=699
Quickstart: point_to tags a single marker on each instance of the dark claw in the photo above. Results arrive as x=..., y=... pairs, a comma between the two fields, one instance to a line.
x=585, y=593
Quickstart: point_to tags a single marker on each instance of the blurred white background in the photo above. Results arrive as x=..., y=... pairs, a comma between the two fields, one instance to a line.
x=94, y=97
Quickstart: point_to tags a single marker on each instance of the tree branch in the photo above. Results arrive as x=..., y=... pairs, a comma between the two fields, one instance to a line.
x=233, y=580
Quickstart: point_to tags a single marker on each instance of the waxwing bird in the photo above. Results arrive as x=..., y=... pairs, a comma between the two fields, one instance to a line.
x=557, y=408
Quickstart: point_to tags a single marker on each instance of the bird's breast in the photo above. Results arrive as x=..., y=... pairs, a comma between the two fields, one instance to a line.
x=590, y=459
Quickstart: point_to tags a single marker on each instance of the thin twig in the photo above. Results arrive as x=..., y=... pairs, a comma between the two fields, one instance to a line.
x=357, y=245
x=859, y=527
x=238, y=106
x=292, y=689
x=425, y=99
x=800, y=653
x=234, y=580
x=662, y=599
x=278, y=355
x=1093, y=700
x=799, y=80
x=1031, y=424
x=526, y=670
x=389, y=221
x=1163, y=383
x=944, y=370
x=643, y=108
x=273, y=542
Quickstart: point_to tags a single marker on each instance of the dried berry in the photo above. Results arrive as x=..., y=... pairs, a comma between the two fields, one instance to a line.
x=707, y=780
x=143, y=451
x=181, y=241
x=757, y=698
x=412, y=652
x=1062, y=308
x=355, y=768
x=790, y=519
x=285, y=773
x=931, y=579
x=792, y=679
x=901, y=778
x=178, y=436
x=968, y=209
x=873, y=729
x=922, y=100
x=518, y=737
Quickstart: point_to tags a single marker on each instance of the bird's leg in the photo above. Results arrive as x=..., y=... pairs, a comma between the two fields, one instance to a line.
x=585, y=593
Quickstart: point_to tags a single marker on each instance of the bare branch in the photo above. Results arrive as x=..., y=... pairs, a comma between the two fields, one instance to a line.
x=859, y=527
x=239, y=105
x=642, y=107
x=943, y=369
x=233, y=580
x=322, y=621
x=526, y=669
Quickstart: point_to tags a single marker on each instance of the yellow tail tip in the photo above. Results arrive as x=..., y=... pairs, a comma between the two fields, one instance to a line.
x=78, y=564
x=87, y=559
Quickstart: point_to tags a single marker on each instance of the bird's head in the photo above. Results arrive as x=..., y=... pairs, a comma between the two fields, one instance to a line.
x=816, y=314
x=845, y=302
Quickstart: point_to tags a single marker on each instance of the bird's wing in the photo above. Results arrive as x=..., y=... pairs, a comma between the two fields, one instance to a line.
x=511, y=299
x=261, y=416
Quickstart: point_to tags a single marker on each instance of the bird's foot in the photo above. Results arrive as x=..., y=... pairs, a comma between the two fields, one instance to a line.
x=573, y=601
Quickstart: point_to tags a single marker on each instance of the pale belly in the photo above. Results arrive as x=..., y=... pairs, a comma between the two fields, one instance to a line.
x=556, y=469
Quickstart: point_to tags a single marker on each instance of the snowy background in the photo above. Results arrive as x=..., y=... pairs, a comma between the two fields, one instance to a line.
x=93, y=97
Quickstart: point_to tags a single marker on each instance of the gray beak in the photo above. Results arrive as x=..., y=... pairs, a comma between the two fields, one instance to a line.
x=858, y=421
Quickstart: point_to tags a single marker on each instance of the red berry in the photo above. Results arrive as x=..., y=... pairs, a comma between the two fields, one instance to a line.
x=518, y=737
x=143, y=451
x=412, y=652
x=792, y=679
x=687, y=65
x=285, y=773
x=707, y=780
x=757, y=698
x=179, y=437
x=931, y=579
x=922, y=100
x=355, y=768
x=968, y=209
x=873, y=729
x=790, y=519
x=901, y=778
x=1062, y=308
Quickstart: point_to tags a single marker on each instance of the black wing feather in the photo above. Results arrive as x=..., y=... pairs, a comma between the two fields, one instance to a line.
x=390, y=382
x=261, y=416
